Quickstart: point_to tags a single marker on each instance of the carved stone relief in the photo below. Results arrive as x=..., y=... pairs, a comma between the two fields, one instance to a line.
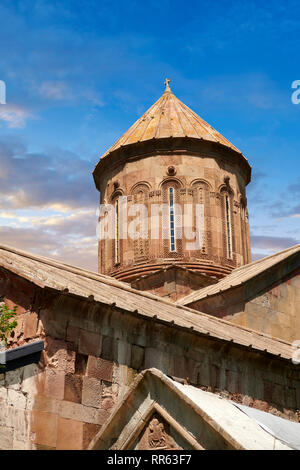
x=157, y=436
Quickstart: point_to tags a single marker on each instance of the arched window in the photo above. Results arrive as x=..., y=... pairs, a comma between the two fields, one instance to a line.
x=228, y=226
x=171, y=220
x=244, y=240
x=228, y=238
x=116, y=201
x=117, y=233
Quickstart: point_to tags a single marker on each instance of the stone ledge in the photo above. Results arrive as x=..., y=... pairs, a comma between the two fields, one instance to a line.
x=17, y=353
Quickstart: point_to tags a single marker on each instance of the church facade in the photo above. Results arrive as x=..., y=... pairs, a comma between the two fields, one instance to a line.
x=95, y=355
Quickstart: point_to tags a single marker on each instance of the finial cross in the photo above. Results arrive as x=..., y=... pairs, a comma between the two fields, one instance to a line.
x=167, y=81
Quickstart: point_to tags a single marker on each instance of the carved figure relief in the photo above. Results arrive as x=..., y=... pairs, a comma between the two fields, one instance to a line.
x=157, y=435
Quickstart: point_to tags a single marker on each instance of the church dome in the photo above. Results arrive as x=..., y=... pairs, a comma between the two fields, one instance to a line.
x=171, y=159
x=169, y=117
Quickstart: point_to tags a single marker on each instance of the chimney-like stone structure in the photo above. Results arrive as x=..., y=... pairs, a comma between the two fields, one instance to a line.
x=172, y=160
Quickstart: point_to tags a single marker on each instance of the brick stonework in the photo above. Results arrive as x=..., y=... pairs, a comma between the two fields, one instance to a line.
x=73, y=389
x=193, y=173
x=268, y=303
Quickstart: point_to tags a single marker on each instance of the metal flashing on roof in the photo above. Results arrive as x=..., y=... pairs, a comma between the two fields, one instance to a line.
x=17, y=353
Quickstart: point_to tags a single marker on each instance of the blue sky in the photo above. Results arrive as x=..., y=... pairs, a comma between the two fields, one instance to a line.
x=78, y=74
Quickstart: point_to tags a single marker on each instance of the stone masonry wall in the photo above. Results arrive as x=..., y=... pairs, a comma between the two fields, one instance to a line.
x=272, y=308
x=92, y=354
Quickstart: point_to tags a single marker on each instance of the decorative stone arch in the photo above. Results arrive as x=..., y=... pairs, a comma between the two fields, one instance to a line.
x=171, y=179
x=142, y=186
x=225, y=188
x=139, y=194
x=117, y=193
x=199, y=181
x=201, y=195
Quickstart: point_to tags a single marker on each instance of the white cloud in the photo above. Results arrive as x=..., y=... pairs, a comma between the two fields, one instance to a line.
x=13, y=115
x=61, y=91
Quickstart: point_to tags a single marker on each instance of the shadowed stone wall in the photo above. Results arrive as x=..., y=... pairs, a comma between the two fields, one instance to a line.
x=92, y=354
x=268, y=303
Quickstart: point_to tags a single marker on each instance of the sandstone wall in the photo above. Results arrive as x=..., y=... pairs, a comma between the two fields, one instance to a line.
x=92, y=354
x=198, y=178
x=260, y=304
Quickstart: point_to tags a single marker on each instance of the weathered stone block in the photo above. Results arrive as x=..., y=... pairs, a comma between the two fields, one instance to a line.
x=131, y=375
x=21, y=425
x=6, y=438
x=89, y=432
x=13, y=379
x=137, y=356
x=7, y=415
x=107, y=404
x=40, y=403
x=59, y=356
x=99, y=368
x=70, y=410
x=16, y=399
x=103, y=416
x=278, y=394
x=89, y=343
x=21, y=445
x=215, y=373
x=69, y=434
x=91, y=392
x=109, y=348
x=3, y=395
x=54, y=383
x=232, y=381
x=30, y=325
x=291, y=397
x=73, y=388
x=44, y=426
x=29, y=384
x=73, y=334
x=54, y=325
x=80, y=363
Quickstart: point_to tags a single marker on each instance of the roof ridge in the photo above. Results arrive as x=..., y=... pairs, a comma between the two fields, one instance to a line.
x=247, y=268
x=114, y=283
x=84, y=272
x=265, y=258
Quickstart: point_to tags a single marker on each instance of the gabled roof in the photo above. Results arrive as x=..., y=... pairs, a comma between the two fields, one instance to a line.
x=242, y=274
x=47, y=273
x=169, y=117
x=200, y=419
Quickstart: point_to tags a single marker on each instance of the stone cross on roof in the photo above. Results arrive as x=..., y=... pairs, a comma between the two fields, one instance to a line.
x=167, y=81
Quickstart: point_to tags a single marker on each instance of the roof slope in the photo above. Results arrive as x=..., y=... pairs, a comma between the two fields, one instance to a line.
x=169, y=117
x=48, y=273
x=193, y=413
x=241, y=275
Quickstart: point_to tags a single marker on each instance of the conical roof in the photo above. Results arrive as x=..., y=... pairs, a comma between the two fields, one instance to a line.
x=169, y=117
